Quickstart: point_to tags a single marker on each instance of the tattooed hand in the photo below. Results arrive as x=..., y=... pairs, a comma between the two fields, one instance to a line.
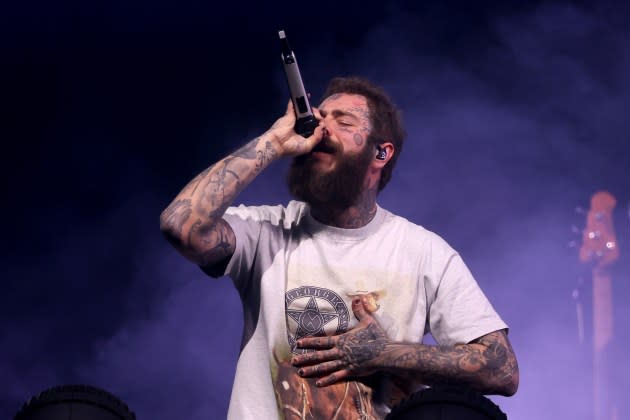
x=354, y=353
x=487, y=364
x=288, y=142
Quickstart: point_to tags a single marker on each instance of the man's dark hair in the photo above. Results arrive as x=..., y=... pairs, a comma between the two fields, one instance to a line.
x=385, y=117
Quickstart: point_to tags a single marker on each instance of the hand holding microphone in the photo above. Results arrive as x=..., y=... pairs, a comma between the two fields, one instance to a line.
x=288, y=142
x=306, y=122
x=298, y=130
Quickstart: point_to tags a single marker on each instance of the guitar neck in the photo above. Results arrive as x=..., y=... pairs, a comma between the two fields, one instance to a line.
x=602, y=337
x=599, y=248
x=602, y=309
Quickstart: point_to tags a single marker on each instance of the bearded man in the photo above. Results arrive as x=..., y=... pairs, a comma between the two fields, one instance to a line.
x=337, y=292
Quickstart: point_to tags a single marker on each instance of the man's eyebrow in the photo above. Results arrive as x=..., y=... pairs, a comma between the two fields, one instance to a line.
x=339, y=113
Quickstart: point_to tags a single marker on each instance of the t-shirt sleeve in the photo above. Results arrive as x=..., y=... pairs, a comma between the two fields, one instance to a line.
x=246, y=222
x=258, y=233
x=459, y=312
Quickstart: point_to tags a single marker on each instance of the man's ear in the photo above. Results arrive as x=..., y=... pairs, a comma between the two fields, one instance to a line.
x=384, y=152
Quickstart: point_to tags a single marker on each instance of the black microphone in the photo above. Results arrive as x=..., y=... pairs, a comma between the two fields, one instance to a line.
x=306, y=121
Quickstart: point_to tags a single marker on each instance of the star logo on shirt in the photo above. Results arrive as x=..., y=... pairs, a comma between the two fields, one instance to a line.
x=314, y=311
x=311, y=320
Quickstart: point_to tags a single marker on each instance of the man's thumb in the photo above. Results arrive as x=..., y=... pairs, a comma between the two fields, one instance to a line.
x=359, y=308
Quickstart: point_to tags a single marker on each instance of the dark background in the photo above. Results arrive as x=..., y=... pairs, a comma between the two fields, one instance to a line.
x=517, y=112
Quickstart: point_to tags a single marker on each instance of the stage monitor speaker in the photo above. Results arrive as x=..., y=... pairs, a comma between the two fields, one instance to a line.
x=74, y=402
x=446, y=404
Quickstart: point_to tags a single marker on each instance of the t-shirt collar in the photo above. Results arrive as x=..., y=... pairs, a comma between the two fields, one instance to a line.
x=318, y=228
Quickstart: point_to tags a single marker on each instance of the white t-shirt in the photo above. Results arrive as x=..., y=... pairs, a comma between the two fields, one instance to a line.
x=297, y=277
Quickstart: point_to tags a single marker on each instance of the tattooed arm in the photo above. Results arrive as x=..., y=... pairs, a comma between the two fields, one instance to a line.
x=193, y=222
x=487, y=364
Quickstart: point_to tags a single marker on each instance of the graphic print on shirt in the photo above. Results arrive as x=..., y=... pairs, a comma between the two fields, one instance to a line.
x=314, y=312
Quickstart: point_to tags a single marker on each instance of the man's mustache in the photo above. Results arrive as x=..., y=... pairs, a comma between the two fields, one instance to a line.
x=326, y=145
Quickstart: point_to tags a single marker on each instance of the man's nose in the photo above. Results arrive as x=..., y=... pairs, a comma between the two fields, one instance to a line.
x=325, y=123
x=325, y=131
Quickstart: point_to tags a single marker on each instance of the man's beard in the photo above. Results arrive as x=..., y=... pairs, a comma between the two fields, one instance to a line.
x=339, y=188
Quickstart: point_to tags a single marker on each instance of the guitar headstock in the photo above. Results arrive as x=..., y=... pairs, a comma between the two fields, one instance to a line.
x=599, y=244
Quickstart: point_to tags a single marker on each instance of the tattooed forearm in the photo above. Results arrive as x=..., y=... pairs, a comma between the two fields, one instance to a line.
x=219, y=188
x=197, y=180
x=193, y=222
x=488, y=364
x=176, y=215
x=265, y=156
x=248, y=151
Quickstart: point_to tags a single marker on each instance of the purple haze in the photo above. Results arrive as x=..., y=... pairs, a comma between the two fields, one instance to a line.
x=504, y=139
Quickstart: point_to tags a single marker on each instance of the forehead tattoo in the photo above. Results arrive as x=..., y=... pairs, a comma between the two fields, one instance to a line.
x=356, y=107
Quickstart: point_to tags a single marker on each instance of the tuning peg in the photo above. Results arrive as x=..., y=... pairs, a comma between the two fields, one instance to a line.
x=576, y=230
x=572, y=244
x=580, y=210
x=594, y=234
